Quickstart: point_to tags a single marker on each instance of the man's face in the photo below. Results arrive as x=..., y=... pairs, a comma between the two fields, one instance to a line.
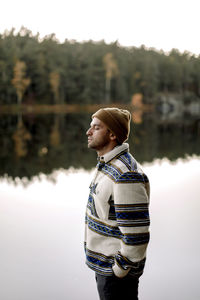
x=98, y=135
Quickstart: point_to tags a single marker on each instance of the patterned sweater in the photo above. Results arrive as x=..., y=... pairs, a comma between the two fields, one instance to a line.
x=117, y=217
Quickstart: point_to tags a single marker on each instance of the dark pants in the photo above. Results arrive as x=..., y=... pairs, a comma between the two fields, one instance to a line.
x=114, y=288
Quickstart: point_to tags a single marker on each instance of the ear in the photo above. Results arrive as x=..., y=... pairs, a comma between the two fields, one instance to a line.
x=112, y=136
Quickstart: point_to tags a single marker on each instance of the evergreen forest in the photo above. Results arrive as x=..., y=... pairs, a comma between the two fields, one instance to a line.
x=36, y=70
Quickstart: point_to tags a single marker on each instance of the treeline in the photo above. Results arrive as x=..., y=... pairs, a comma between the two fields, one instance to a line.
x=35, y=70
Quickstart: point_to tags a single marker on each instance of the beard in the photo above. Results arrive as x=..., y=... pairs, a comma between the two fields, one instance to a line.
x=98, y=143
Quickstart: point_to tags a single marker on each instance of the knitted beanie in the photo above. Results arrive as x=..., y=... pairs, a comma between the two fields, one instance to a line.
x=117, y=120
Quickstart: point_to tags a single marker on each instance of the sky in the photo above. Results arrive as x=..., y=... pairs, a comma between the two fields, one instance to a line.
x=158, y=24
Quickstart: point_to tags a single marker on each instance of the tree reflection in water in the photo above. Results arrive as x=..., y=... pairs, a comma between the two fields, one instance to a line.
x=41, y=143
x=42, y=229
x=41, y=226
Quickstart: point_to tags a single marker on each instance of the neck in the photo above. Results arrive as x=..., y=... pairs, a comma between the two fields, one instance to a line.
x=106, y=149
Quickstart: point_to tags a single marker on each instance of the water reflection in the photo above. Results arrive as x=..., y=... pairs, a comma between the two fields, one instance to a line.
x=41, y=230
x=42, y=223
x=35, y=143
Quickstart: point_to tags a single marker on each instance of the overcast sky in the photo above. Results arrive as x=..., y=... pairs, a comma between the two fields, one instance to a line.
x=153, y=23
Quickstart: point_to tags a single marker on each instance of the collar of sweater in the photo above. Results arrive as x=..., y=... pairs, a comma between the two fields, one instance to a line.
x=113, y=153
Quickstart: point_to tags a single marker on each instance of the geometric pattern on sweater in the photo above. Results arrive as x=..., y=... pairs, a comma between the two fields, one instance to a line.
x=129, y=215
x=109, y=170
x=102, y=228
x=90, y=204
x=132, y=239
x=119, y=177
x=102, y=264
x=135, y=239
x=126, y=159
x=134, y=215
x=132, y=177
x=93, y=188
x=99, y=263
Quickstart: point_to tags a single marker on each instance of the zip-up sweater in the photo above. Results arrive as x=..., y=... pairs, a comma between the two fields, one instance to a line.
x=117, y=216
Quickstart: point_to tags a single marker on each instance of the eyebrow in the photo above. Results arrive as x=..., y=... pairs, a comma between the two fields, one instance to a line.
x=94, y=124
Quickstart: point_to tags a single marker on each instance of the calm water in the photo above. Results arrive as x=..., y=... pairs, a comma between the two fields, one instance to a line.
x=41, y=229
x=45, y=172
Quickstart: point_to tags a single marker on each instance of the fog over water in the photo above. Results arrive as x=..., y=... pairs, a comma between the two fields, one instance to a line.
x=42, y=229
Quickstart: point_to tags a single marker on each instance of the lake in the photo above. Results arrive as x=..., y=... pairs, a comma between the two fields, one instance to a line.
x=44, y=184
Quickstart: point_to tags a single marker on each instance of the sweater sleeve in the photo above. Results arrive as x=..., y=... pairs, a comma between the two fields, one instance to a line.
x=131, y=202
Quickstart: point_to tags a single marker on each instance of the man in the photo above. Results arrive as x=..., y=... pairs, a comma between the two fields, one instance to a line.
x=117, y=218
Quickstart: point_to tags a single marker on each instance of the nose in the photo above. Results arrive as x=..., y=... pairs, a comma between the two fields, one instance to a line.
x=88, y=132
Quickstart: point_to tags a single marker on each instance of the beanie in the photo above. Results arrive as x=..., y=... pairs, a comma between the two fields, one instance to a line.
x=117, y=120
